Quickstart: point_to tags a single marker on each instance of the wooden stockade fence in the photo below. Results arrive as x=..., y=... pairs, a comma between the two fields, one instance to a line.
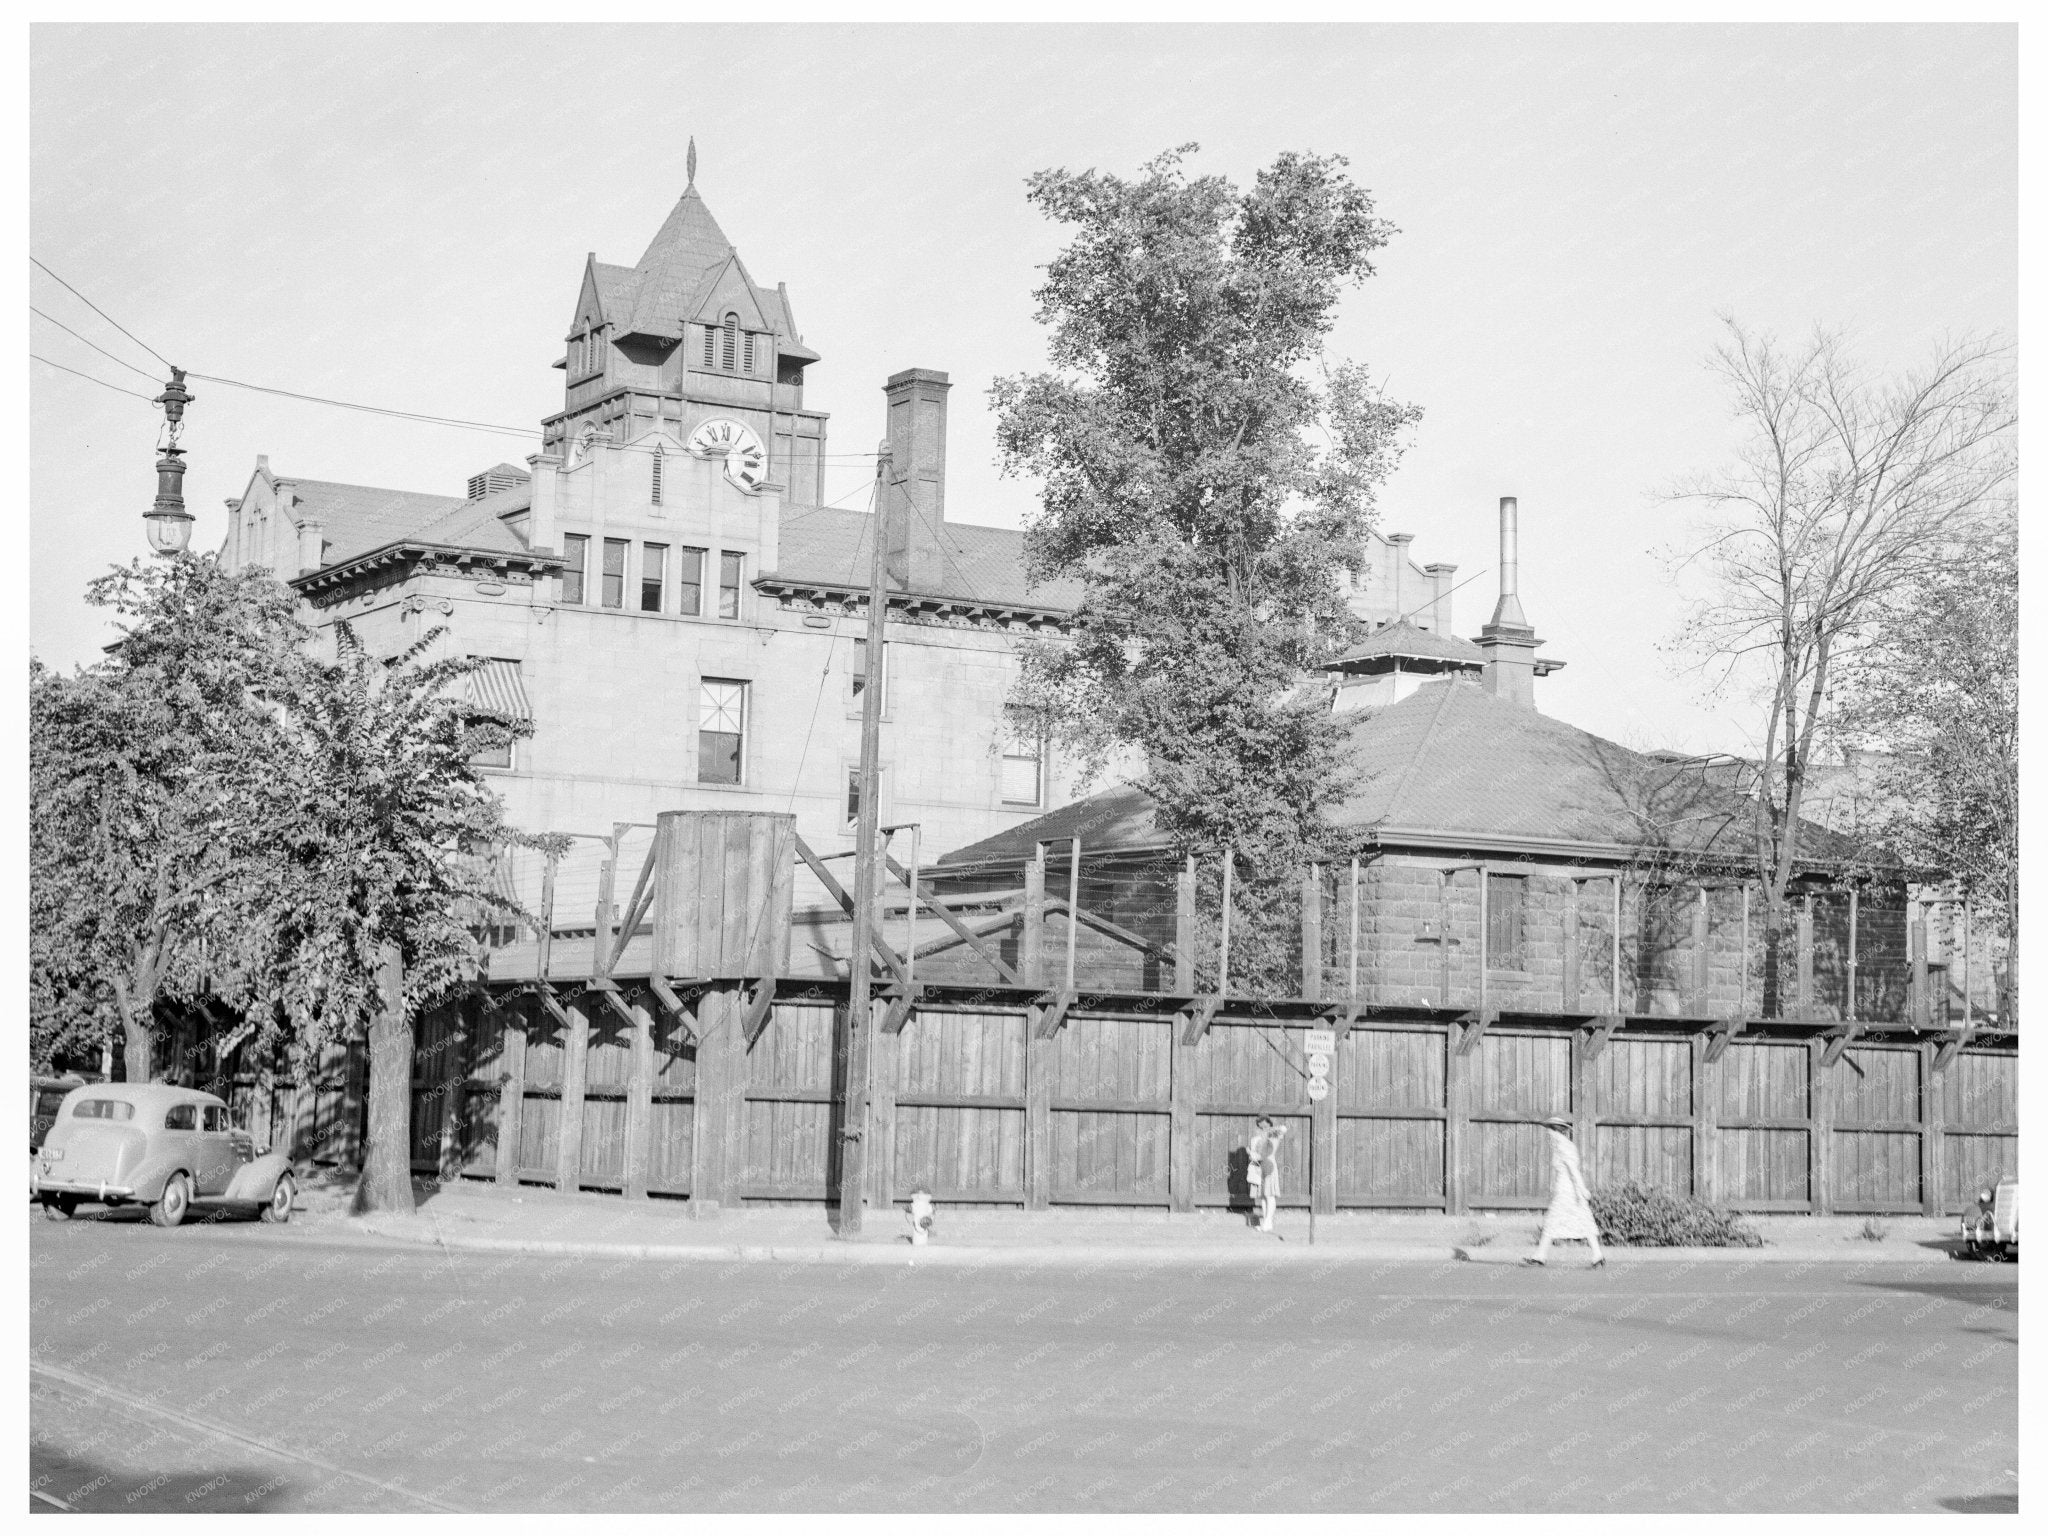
x=676, y=1047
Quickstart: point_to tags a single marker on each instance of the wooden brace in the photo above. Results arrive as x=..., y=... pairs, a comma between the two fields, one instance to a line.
x=1471, y=1027
x=685, y=1020
x=1198, y=1019
x=1051, y=1014
x=760, y=1010
x=1596, y=1042
x=1838, y=1042
x=898, y=1012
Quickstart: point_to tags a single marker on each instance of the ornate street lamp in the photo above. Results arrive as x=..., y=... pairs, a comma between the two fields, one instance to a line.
x=170, y=525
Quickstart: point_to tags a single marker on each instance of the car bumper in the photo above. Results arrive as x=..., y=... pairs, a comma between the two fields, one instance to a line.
x=42, y=1185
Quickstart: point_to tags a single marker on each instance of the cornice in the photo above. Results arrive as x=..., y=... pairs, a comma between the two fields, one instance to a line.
x=379, y=567
x=797, y=596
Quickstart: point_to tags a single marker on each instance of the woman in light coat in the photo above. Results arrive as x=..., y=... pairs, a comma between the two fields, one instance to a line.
x=1570, y=1214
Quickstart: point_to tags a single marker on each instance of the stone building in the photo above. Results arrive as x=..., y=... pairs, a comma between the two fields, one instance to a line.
x=661, y=593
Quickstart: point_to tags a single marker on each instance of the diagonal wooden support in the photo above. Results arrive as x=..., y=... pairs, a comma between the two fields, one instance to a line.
x=1951, y=1047
x=1717, y=1043
x=1051, y=1014
x=1198, y=1017
x=1603, y=1031
x=898, y=1012
x=1102, y=924
x=760, y=1010
x=1838, y=1041
x=636, y=907
x=617, y=1000
x=1471, y=1027
x=677, y=1010
x=838, y=893
x=919, y=898
x=1346, y=1016
x=550, y=1001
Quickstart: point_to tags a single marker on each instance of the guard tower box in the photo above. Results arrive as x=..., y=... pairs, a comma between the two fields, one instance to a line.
x=724, y=884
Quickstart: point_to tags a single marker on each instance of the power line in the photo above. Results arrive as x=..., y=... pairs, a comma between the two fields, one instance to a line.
x=117, y=325
x=103, y=384
x=103, y=352
x=374, y=410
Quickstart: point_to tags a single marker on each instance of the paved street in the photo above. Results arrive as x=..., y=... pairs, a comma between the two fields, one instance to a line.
x=226, y=1367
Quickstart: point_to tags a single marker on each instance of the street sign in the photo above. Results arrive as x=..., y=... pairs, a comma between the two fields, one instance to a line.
x=1319, y=1042
x=1318, y=1089
x=1318, y=1064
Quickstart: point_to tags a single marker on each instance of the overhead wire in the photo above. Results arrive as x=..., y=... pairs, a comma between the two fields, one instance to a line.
x=422, y=417
x=117, y=325
x=103, y=352
x=103, y=384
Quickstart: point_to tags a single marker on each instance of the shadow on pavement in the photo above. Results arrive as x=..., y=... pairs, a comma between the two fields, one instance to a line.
x=1982, y=1503
x=89, y=1488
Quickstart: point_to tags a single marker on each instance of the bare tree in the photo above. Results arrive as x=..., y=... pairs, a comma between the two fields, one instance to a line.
x=1849, y=489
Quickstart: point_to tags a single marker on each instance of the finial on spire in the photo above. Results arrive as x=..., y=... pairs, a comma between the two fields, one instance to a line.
x=690, y=161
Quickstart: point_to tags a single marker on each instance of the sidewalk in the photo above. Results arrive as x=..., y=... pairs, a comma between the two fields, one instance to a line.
x=483, y=1217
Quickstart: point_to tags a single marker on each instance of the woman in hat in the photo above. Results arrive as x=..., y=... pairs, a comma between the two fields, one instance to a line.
x=1570, y=1214
x=1262, y=1170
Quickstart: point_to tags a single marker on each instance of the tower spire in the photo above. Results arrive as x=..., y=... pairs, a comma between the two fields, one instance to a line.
x=690, y=161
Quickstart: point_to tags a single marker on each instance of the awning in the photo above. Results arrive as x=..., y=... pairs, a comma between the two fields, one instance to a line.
x=496, y=686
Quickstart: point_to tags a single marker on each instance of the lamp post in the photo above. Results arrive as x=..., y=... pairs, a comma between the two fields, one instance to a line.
x=170, y=525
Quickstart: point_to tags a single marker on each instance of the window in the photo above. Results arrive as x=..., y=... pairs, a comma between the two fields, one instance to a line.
x=615, y=573
x=860, y=673
x=853, y=794
x=576, y=554
x=690, y=582
x=656, y=494
x=652, y=558
x=1505, y=899
x=749, y=368
x=730, y=566
x=217, y=1118
x=593, y=352
x=497, y=688
x=710, y=346
x=732, y=334
x=1023, y=767
x=182, y=1117
x=721, y=730
x=103, y=1109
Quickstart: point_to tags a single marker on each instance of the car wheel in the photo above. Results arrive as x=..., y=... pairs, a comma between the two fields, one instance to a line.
x=173, y=1203
x=59, y=1207
x=279, y=1206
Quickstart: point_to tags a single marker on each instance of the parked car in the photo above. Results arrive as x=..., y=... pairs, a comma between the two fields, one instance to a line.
x=1991, y=1223
x=45, y=1095
x=158, y=1146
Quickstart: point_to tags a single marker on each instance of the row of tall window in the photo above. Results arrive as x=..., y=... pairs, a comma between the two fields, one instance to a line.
x=659, y=565
x=586, y=353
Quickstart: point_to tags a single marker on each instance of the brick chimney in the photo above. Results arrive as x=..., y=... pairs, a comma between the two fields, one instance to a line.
x=914, y=489
x=1508, y=641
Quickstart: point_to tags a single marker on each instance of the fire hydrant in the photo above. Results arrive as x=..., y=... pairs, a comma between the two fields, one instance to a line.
x=920, y=1217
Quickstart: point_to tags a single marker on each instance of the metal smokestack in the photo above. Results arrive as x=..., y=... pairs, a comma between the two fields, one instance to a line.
x=1507, y=613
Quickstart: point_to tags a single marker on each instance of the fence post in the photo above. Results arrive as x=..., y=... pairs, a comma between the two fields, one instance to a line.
x=639, y=1102
x=511, y=1091
x=1916, y=940
x=1932, y=1134
x=720, y=1080
x=1706, y=1173
x=881, y=1159
x=1820, y=1126
x=1806, y=956
x=575, y=1070
x=1180, y=1149
x=1312, y=934
x=1456, y=1072
x=1568, y=982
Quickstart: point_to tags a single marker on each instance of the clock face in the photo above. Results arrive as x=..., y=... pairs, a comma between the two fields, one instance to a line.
x=746, y=461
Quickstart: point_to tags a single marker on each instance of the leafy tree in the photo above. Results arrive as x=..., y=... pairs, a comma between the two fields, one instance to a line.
x=376, y=870
x=1848, y=492
x=1937, y=690
x=1209, y=480
x=147, y=788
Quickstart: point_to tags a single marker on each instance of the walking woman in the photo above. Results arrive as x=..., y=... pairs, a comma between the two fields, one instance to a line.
x=1570, y=1214
x=1263, y=1169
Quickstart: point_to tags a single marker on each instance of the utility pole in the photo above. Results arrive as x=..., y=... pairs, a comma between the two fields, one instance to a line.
x=860, y=1021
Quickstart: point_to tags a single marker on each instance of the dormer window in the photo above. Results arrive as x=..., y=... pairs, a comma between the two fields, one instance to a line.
x=729, y=349
x=731, y=338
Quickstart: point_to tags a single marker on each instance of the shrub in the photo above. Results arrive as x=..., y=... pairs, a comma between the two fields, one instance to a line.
x=1633, y=1215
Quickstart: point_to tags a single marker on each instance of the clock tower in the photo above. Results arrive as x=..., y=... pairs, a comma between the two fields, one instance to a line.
x=685, y=337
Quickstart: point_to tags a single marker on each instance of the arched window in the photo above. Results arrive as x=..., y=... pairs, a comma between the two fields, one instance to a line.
x=732, y=336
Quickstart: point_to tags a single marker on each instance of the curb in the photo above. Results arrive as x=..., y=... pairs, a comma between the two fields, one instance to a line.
x=902, y=1255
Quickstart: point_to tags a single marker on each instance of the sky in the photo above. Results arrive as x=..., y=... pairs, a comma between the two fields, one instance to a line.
x=399, y=216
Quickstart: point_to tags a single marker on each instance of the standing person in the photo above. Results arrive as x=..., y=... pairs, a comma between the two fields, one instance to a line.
x=1263, y=1170
x=1570, y=1214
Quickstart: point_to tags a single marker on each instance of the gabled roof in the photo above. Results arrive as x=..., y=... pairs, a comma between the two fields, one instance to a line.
x=1405, y=640
x=355, y=519
x=827, y=545
x=1451, y=766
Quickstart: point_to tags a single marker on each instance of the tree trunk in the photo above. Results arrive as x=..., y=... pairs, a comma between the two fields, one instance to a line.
x=386, y=1180
x=135, y=1036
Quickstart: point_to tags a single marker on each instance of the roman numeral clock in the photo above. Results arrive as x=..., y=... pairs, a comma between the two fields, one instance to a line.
x=746, y=461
